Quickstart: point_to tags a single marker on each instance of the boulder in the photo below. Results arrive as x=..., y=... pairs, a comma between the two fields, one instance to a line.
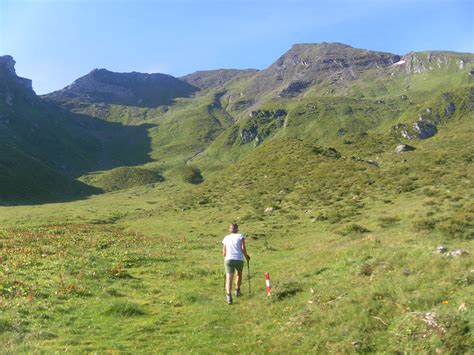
x=457, y=253
x=449, y=109
x=441, y=249
x=404, y=148
x=425, y=128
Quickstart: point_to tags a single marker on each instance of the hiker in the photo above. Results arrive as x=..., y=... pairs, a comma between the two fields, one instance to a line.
x=234, y=250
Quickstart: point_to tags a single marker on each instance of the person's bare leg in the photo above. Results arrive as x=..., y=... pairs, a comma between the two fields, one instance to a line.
x=238, y=280
x=228, y=283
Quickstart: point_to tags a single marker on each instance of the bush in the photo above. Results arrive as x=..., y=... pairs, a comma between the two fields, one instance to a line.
x=286, y=289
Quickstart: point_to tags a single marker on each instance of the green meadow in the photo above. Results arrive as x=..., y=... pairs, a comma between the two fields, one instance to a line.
x=113, y=245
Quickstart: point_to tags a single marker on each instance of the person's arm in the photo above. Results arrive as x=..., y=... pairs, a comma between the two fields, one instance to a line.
x=224, y=251
x=244, y=250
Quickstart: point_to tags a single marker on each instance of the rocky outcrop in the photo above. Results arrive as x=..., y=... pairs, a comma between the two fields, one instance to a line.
x=11, y=85
x=450, y=108
x=261, y=124
x=264, y=114
x=425, y=128
x=419, y=62
x=248, y=134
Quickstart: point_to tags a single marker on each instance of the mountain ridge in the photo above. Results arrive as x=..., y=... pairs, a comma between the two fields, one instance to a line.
x=133, y=88
x=329, y=93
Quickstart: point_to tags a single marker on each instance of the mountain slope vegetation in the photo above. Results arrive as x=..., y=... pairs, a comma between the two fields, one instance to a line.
x=349, y=171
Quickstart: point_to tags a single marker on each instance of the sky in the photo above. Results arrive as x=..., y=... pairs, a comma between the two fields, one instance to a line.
x=55, y=42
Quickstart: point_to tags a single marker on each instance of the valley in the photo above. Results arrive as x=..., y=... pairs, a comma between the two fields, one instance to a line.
x=347, y=170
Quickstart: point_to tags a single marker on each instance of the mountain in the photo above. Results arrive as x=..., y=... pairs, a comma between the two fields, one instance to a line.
x=207, y=79
x=132, y=89
x=361, y=102
x=355, y=193
x=44, y=147
x=305, y=65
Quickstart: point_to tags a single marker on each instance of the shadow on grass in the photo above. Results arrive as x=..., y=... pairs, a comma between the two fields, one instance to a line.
x=44, y=168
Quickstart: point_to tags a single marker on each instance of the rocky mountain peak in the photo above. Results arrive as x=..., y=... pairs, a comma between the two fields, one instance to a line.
x=11, y=85
x=8, y=63
x=306, y=64
x=136, y=89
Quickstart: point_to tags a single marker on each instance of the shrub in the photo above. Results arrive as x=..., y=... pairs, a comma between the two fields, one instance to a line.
x=286, y=289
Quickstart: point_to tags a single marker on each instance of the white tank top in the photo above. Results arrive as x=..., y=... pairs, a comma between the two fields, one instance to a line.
x=233, y=246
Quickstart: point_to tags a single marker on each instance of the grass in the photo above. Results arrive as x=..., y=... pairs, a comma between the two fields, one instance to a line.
x=123, y=178
x=149, y=276
x=350, y=242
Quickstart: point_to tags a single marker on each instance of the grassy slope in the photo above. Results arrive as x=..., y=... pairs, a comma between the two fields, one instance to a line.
x=350, y=245
x=334, y=284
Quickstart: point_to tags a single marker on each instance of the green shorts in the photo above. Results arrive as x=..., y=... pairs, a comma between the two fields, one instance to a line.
x=232, y=265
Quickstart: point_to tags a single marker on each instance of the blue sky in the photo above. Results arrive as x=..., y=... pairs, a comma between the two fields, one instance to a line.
x=55, y=42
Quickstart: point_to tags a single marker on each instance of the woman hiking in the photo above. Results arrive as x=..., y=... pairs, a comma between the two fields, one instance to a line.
x=233, y=250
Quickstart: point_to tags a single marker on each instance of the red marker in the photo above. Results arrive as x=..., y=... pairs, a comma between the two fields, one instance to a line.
x=267, y=283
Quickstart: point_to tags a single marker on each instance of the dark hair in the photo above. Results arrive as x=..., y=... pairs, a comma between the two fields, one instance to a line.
x=234, y=227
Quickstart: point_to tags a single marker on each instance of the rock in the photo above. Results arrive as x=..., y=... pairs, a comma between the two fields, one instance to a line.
x=8, y=62
x=248, y=134
x=425, y=129
x=404, y=97
x=257, y=142
x=441, y=249
x=294, y=88
x=372, y=162
x=449, y=109
x=406, y=271
x=462, y=307
x=9, y=99
x=279, y=113
x=431, y=319
x=269, y=210
x=457, y=253
x=356, y=344
x=471, y=72
x=7, y=66
x=404, y=148
x=429, y=111
x=341, y=132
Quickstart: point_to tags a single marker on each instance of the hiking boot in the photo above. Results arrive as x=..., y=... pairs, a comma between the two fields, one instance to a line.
x=237, y=292
x=229, y=299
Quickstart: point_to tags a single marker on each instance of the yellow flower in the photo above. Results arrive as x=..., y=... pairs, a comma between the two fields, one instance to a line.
x=445, y=302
